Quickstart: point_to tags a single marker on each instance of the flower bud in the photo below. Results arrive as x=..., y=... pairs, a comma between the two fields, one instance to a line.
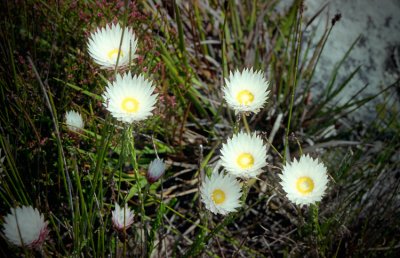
x=156, y=170
x=74, y=121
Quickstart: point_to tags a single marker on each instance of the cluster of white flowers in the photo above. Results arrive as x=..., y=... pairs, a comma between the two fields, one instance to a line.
x=130, y=98
x=244, y=154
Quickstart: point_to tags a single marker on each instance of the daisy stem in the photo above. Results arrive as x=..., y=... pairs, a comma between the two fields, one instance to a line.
x=246, y=125
x=140, y=194
x=201, y=175
x=161, y=209
x=236, y=126
x=301, y=218
x=245, y=191
x=124, y=147
x=315, y=220
x=124, y=243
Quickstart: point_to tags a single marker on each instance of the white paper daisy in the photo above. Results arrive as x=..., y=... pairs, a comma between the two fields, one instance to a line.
x=130, y=98
x=244, y=155
x=122, y=217
x=304, y=181
x=246, y=91
x=74, y=121
x=25, y=226
x=104, y=46
x=220, y=193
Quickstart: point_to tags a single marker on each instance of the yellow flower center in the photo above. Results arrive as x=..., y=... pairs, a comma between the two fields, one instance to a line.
x=305, y=185
x=130, y=105
x=218, y=196
x=245, y=97
x=114, y=52
x=245, y=160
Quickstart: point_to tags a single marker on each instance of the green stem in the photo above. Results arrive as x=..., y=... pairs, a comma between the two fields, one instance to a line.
x=124, y=147
x=320, y=244
x=315, y=222
x=139, y=189
x=246, y=125
x=236, y=125
x=301, y=218
x=245, y=191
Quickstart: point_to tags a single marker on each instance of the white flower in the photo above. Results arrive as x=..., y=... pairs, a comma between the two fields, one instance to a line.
x=25, y=226
x=104, y=45
x=220, y=193
x=304, y=181
x=74, y=121
x=156, y=170
x=129, y=98
x=244, y=155
x=246, y=91
x=122, y=218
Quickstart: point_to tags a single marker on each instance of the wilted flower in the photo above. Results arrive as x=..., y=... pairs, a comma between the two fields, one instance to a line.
x=246, y=91
x=304, y=181
x=25, y=226
x=220, y=193
x=156, y=170
x=130, y=98
x=122, y=218
x=244, y=155
x=104, y=46
x=74, y=121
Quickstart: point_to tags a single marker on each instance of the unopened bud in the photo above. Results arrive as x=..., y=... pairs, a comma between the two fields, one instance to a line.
x=155, y=171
